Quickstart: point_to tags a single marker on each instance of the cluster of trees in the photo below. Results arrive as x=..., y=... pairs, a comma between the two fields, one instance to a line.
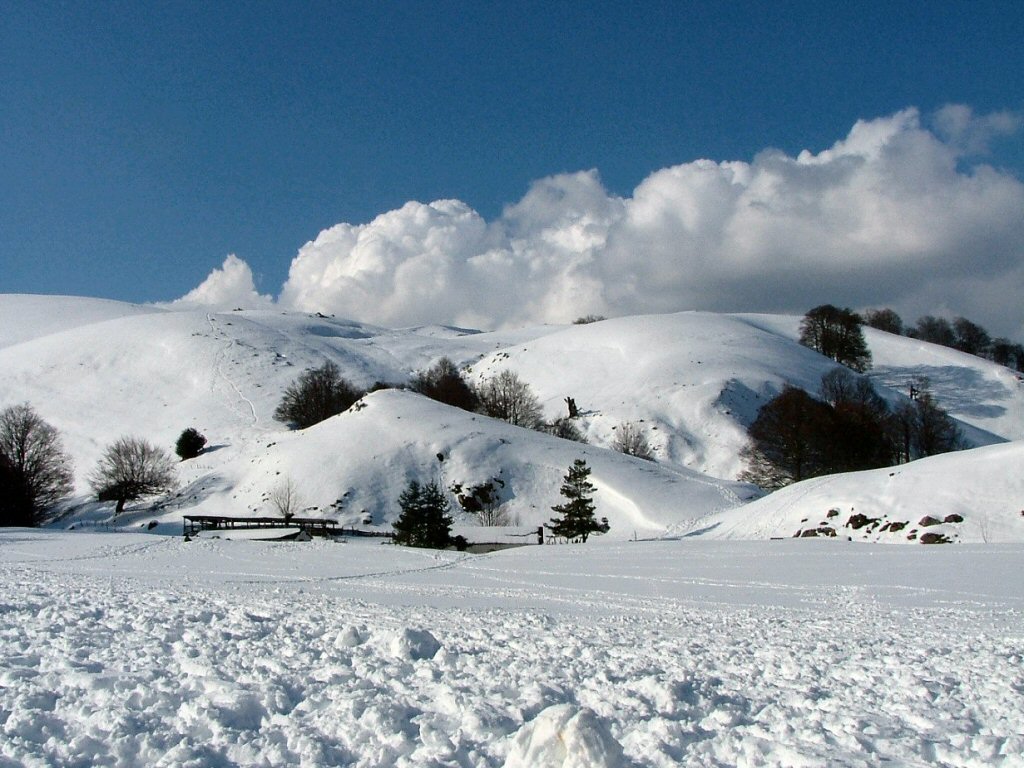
x=425, y=519
x=836, y=333
x=849, y=427
x=36, y=473
x=318, y=394
x=503, y=396
x=960, y=333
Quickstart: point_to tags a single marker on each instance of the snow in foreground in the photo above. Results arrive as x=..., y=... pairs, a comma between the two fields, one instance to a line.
x=128, y=649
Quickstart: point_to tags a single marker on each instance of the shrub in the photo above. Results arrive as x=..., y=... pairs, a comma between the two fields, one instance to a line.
x=482, y=500
x=631, y=439
x=190, y=444
x=442, y=382
x=564, y=428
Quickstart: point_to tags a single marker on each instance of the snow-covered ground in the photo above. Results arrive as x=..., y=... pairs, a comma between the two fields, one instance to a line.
x=146, y=650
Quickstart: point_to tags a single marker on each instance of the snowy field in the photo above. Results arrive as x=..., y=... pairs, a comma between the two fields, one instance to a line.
x=145, y=650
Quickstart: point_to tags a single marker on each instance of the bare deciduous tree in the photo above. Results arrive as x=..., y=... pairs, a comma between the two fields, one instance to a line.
x=285, y=498
x=131, y=468
x=35, y=472
x=509, y=398
x=631, y=439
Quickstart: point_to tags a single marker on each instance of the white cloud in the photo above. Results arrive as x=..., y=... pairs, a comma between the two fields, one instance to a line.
x=893, y=214
x=958, y=124
x=229, y=287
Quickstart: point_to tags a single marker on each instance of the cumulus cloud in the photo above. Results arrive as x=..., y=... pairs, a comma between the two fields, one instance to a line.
x=898, y=213
x=229, y=287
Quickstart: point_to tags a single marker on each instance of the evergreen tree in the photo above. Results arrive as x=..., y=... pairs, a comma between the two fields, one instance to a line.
x=577, y=519
x=424, y=521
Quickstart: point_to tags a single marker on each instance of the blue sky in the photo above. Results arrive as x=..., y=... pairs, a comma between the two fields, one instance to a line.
x=142, y=142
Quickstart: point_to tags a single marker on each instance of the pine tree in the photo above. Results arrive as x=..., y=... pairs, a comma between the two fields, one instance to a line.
x=577, y=519
x=424, y=521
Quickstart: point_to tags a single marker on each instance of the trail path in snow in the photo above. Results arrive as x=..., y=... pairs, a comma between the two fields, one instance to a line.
x=219, y=367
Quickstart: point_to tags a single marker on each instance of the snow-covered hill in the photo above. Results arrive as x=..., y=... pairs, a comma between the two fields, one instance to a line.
x=98, y=370
x=975, y=495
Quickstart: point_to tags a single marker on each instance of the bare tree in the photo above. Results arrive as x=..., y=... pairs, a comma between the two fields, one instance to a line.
x=35, y=472
x=285, y=498
x=631, y=439
x=131, y=468
x=509, y=398
x=484, y=501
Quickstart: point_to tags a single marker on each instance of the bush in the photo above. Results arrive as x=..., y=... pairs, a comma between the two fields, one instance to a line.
x=190, y=444
x=35, y=472
x=285, y=498
x=424, y=521
x=131, y=468
x=564, y=428
x=318, y=394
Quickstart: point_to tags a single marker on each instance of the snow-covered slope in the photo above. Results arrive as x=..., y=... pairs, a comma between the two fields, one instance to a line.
x=975, y=495
x=693, y=380
x=975, y=391
x=353, y=467
x=98, y=370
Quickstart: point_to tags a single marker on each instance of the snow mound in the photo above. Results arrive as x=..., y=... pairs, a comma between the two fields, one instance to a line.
x=565, y=736
x=967, y=496
x=413, y=644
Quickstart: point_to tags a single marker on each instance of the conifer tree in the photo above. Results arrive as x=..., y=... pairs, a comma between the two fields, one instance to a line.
x=577, y=519
x=424, y=521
